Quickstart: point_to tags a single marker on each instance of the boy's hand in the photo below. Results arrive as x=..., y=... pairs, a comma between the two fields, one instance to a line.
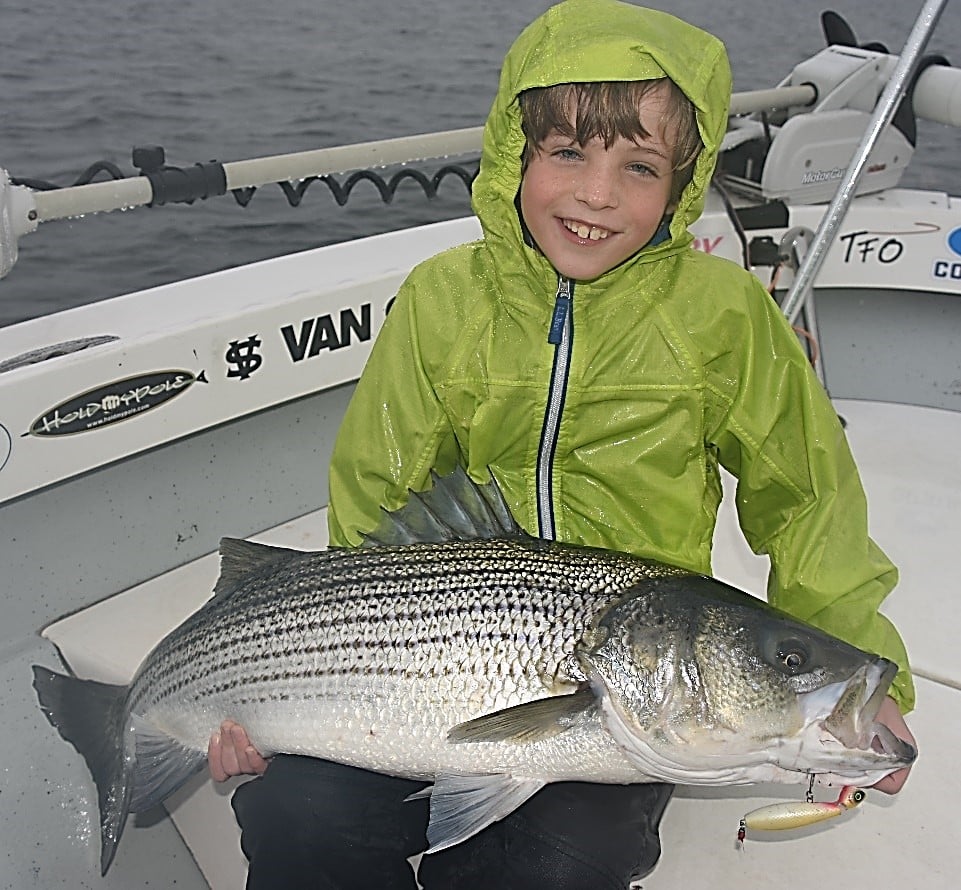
x=229, y=753
x=890, y=715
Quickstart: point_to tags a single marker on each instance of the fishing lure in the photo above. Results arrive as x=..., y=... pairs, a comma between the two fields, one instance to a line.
x=780, y=816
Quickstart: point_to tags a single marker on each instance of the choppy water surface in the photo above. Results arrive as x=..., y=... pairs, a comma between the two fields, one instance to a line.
x=233, y=79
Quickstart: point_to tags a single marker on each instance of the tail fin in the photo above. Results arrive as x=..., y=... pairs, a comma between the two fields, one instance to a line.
x=135, y=766
x=90, y=715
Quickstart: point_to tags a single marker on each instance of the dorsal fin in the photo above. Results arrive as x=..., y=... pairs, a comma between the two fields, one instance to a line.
x=455, y=508
x=239, y=558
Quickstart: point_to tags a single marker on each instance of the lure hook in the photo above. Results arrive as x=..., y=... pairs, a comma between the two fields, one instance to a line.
x=781, y=816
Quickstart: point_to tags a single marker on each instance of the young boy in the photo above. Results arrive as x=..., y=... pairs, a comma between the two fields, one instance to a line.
x=603, y=370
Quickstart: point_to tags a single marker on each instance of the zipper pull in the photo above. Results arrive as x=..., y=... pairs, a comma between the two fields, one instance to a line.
x=562, y=305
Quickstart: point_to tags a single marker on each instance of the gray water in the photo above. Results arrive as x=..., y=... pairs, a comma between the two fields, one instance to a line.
x=233, y=79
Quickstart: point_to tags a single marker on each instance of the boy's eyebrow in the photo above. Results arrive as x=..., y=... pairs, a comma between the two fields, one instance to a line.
x=650, y=149
x=554, y=133
x=644, y=146
x=560, y=136
x=647, y=147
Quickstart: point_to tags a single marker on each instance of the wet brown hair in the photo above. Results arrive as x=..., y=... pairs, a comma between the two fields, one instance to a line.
x=607, y=110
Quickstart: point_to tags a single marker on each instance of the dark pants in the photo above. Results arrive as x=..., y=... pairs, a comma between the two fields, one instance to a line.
x=313, y=824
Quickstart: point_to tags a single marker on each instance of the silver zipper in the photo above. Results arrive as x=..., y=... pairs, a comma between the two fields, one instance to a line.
x=561, y=334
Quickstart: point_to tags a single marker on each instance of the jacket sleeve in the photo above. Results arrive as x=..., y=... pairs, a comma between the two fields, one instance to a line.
x=393, y=432
x=799, y=496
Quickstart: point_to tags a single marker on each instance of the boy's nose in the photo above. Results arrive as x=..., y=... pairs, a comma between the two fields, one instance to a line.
x=596, y=189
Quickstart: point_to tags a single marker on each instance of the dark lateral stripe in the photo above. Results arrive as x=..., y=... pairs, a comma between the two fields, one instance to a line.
x=255, y=668
x=270, y=625
x=342, y=605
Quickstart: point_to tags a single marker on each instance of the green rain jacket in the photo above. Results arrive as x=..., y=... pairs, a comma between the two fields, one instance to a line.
x=669, y=365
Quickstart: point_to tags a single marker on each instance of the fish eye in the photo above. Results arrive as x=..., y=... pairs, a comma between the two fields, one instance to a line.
x=792, y=655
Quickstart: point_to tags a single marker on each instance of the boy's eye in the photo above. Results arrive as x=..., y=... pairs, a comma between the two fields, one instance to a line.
x=643, y=169
x=566, y=154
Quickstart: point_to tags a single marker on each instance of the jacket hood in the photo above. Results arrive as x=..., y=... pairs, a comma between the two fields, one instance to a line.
x=584, y=41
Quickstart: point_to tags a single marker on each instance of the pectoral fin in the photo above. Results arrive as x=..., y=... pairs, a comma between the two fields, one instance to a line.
x=531, y=722
x=461, y=806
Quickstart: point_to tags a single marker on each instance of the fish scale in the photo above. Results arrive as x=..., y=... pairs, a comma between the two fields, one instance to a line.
x=462, y=651
x=330, y=634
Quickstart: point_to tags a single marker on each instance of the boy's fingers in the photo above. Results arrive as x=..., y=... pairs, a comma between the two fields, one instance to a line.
x=241, y=749
x=258, y=764
x=214, y=758
x=230, y=753
x=893, y=783
x=229, y=759
x=247, y=757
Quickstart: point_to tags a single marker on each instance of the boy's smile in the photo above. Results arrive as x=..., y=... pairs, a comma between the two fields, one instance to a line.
x=585, y=231
x=590, y=207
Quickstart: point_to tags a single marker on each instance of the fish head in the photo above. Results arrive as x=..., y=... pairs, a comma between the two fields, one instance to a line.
x=703, y=684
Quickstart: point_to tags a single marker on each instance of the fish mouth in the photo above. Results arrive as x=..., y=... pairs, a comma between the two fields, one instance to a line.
x=853, y=719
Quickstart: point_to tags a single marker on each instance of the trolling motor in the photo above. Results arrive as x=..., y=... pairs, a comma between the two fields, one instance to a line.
x=800, y=154
x=792, y=143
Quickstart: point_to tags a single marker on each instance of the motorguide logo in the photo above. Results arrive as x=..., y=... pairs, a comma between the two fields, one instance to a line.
x=815, y=176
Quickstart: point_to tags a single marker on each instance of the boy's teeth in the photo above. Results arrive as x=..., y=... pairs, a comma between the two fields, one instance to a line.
x=584, y=231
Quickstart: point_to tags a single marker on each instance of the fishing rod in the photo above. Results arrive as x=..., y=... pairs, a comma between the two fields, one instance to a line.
x=936, y=96
x=894, y=91
x=177, y=185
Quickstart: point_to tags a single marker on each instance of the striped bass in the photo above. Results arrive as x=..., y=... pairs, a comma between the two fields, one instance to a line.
x=457, y=649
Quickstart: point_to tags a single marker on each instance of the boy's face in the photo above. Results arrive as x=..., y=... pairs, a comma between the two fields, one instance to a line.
x=588, y=207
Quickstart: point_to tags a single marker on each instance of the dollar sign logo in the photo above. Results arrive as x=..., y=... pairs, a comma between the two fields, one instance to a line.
x=244, y=357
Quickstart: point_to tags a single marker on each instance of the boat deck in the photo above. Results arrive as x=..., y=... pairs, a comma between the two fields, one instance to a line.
x=906, y=458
